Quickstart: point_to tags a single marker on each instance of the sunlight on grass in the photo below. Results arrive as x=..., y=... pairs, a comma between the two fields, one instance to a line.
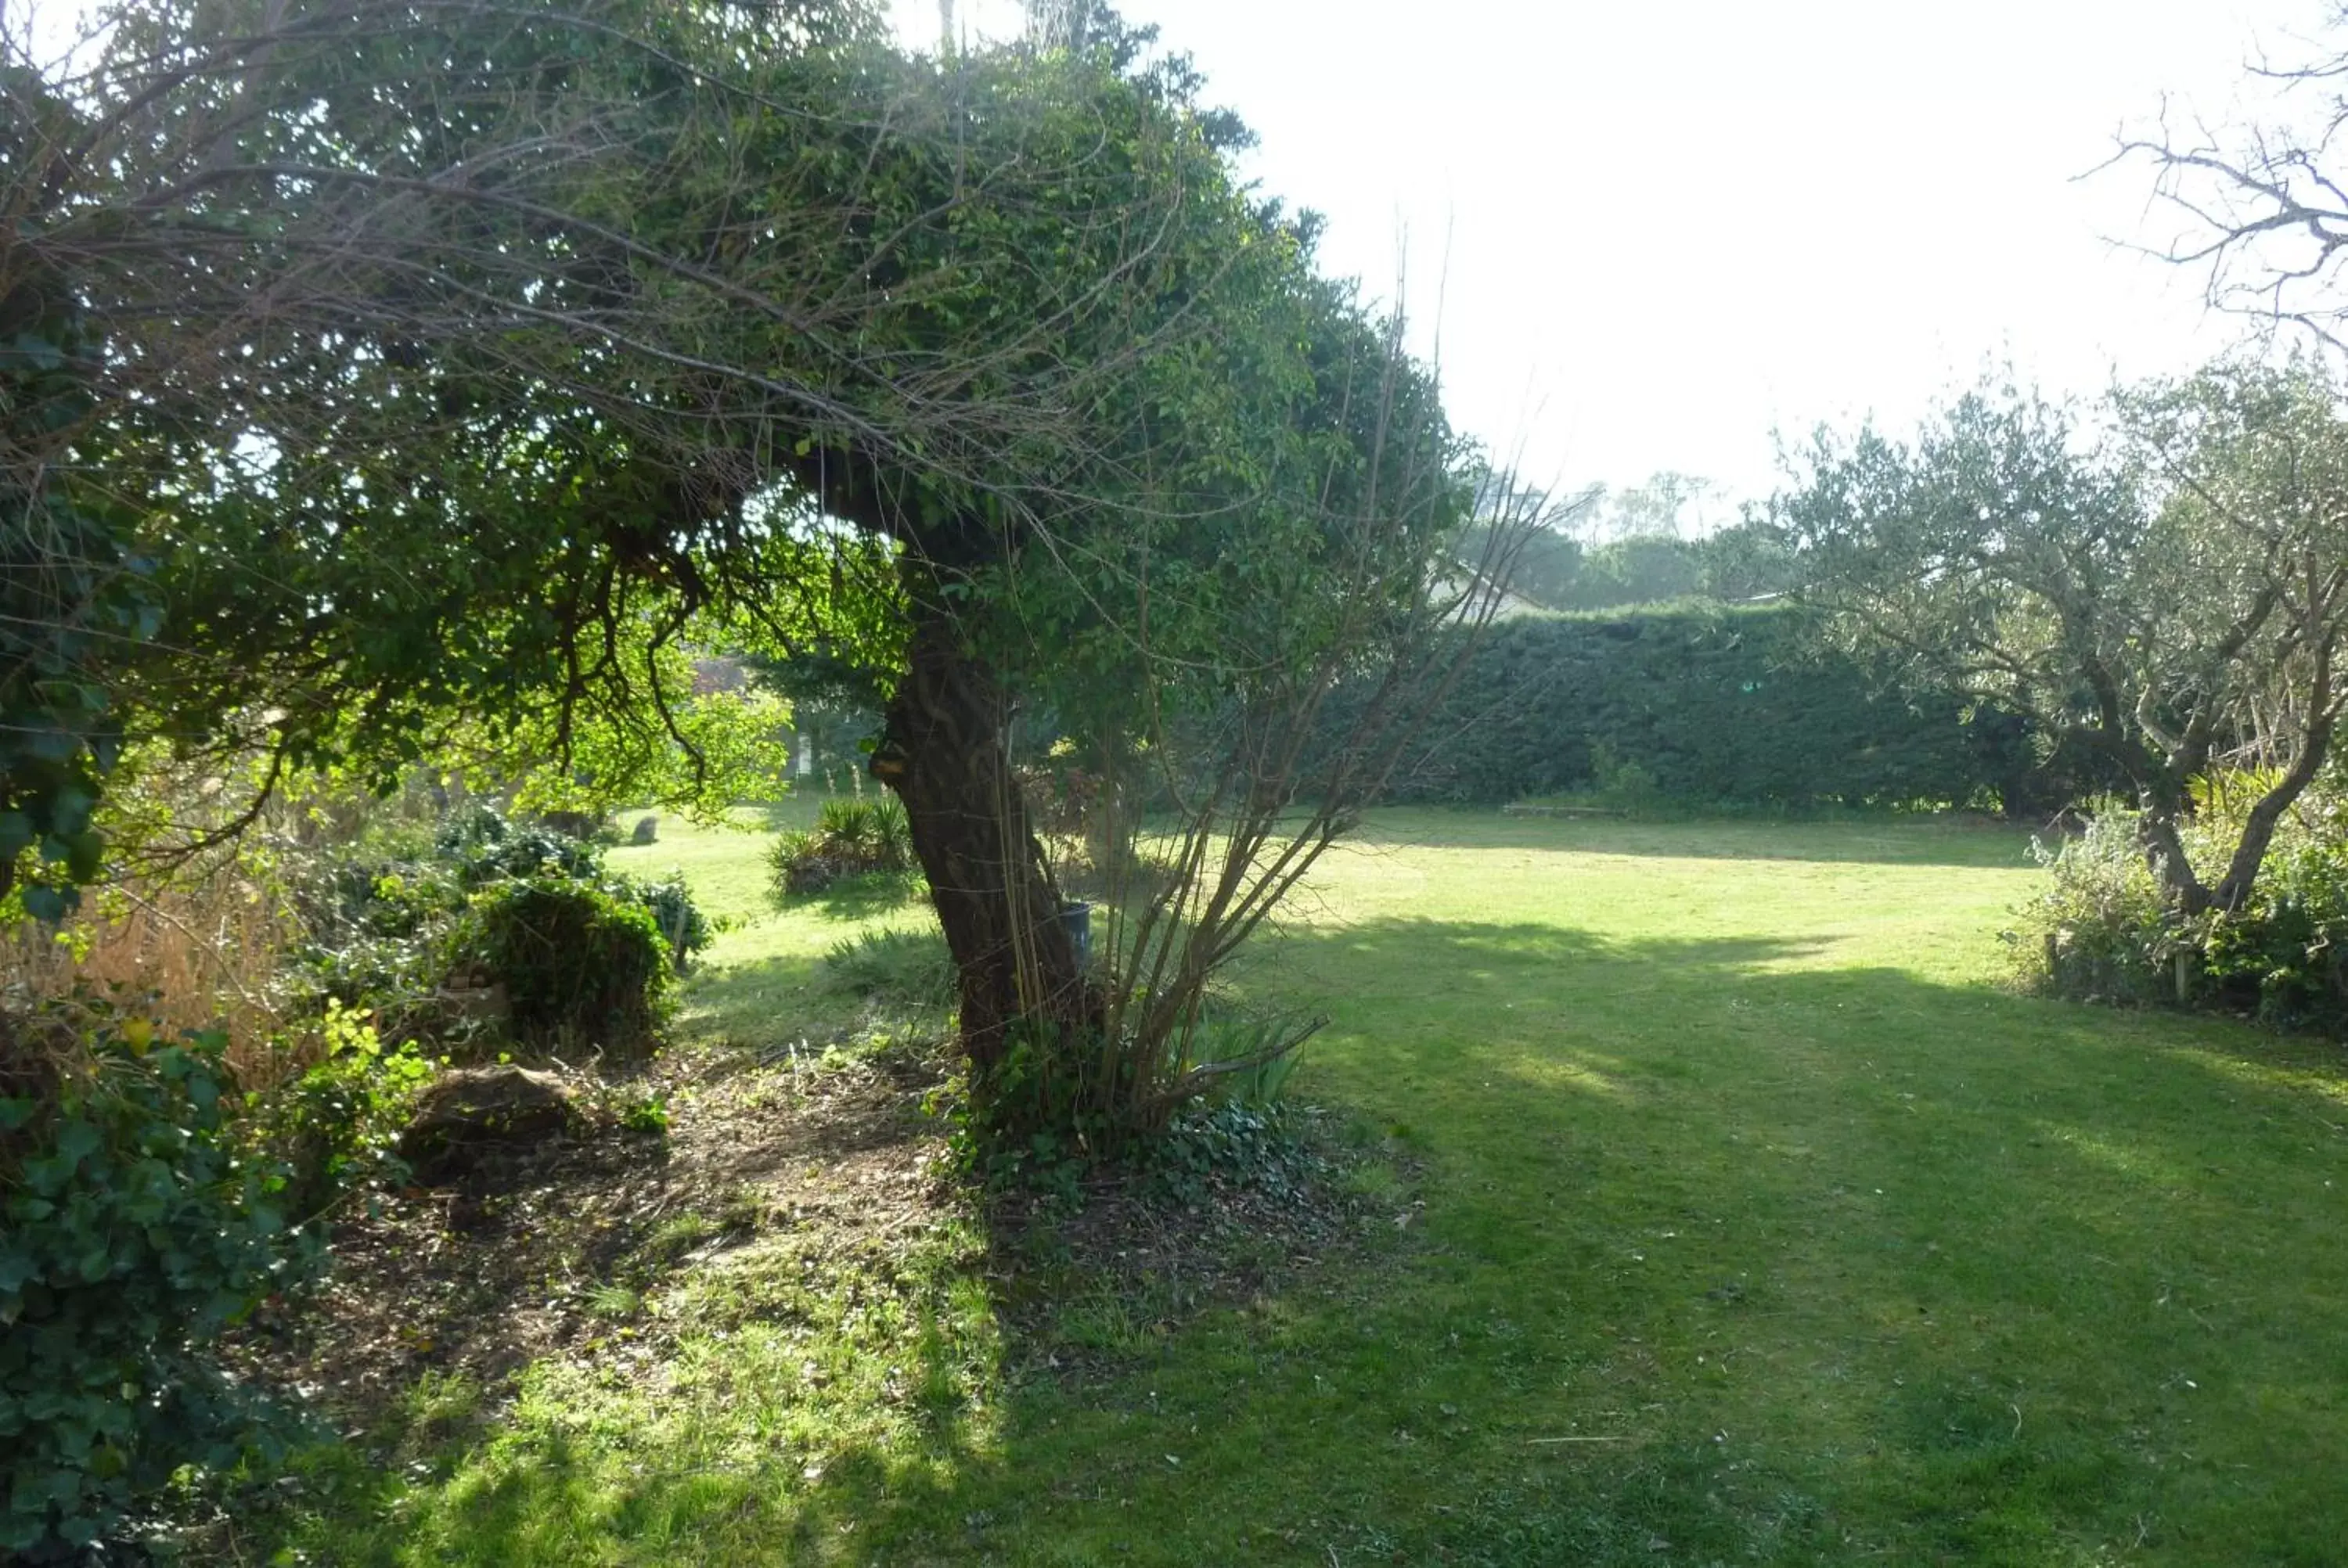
x=1573, y=1073
x=1759, y=1226
x=2324, y=1084
x=760, y=988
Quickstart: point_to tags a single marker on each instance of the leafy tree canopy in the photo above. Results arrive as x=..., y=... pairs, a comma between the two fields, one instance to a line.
x=2168, y=586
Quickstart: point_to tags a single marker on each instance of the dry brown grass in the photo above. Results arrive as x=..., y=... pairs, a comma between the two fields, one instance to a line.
x=198, y=952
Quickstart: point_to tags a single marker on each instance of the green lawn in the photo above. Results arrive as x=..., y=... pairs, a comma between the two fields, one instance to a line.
x=1758, y=1225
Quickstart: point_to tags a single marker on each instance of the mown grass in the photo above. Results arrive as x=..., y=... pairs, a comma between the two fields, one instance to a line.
x=763, y=987
x=1758, y=1225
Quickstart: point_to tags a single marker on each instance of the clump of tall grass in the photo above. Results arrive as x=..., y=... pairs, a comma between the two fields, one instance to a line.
x=894, y=969
x=204, y=953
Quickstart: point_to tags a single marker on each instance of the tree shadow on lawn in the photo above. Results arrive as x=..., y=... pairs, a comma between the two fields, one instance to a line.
x=761, y=1005
x=768, y=1007
x=863, y=897
x=1977, y=844
x=1719, y=1259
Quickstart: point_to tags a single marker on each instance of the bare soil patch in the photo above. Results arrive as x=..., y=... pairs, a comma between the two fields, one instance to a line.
x=555, y=1252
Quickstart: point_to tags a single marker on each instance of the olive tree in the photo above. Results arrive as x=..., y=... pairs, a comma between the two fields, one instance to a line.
x=2169, y=587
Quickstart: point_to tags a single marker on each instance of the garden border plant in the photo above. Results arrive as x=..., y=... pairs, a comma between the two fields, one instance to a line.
x=143, y=1222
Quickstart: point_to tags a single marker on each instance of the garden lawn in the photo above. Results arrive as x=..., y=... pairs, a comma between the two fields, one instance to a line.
x=1741, y=1217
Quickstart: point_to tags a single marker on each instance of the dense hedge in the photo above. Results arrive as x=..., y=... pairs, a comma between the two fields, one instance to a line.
x=584, y=965
x=1714, y=705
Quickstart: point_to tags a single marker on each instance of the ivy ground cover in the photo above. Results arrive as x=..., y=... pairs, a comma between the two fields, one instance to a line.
x=1731, y=1213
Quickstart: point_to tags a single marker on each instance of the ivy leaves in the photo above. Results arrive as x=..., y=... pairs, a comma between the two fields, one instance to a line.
x=72, y=595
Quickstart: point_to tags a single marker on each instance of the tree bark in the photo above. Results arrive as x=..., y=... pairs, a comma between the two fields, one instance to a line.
x=2157, y=830
x=942, y=750
x=2233, y=890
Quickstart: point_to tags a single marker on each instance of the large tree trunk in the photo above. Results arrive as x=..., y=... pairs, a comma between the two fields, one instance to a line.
x=2158, y=832
x=2259, y=831
x=942, y=750
x=2167, y=800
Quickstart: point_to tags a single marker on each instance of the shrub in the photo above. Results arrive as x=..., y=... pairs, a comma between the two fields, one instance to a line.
x=852, y=839
x=682, y=925
x=137, y=1229
x=389, y=934
x=2287, y=954
x=581, y=965
x=1054, y=1103
x=483, y=846
x=2102, y=930
x=336, y=1125
x=872, y=835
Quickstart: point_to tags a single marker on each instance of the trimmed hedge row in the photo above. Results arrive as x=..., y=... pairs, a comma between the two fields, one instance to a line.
x=1715, y=704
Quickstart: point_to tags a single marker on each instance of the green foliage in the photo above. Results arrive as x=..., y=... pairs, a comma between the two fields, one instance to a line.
x=73, y=594
x=336, y=1124
x=137, y=1229
x=873, y=831
x=683, y=926
x=1250, y=1059
x=2104, y=928
x=852, y=839
x=1057, y=1101
x=2101, y=928
x=1623, y=785
x=1106, y=432
x=645, y=1113
x=894, y=968
x=1707, y=706
x=1212, y=1149
x=2158, y=593
x=584, y=968
x=390, y=929
x=1046, y=1110
x=483, y=845
x=2290, y=947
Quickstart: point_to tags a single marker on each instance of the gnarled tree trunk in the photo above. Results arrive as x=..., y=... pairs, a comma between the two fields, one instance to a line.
x=942, y=750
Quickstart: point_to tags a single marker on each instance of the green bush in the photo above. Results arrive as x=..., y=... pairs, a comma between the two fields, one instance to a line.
x=581, y=965
x=682, y=925
x=389, y=932
x=2287, y=955
x=484, y=846
x=336, y=1125
x=2101, y=929
x=851, y=839
x=137, y=1229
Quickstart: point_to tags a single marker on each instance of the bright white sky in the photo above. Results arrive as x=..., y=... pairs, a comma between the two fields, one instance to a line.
x=1660, y=231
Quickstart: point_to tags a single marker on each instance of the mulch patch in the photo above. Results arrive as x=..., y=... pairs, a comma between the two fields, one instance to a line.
x=551, y=1253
